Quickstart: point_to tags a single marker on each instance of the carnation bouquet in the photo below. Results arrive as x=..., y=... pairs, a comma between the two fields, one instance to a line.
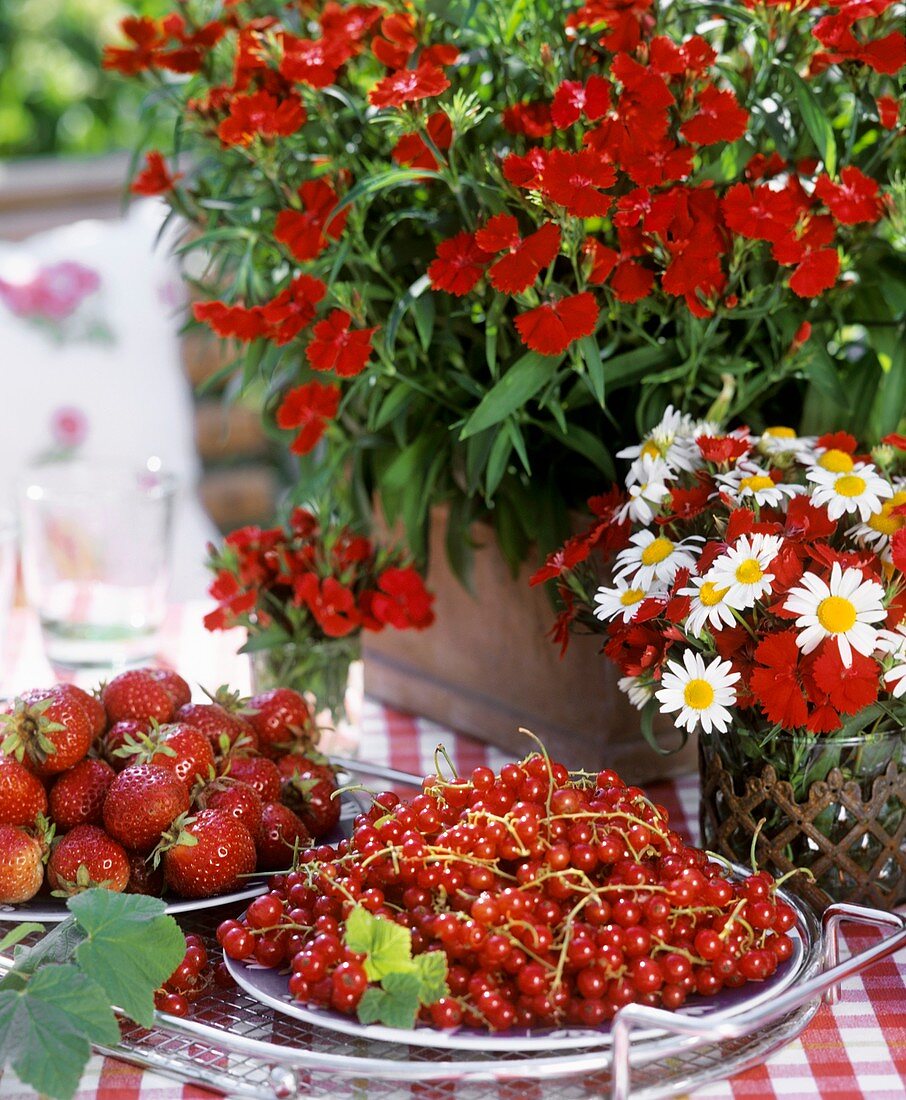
x=465, y=250
x=755, y=591
x=304, y=592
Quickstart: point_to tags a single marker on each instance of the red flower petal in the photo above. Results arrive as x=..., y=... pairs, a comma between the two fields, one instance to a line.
x=334, y=346
x=816, y=273
x=551, y=328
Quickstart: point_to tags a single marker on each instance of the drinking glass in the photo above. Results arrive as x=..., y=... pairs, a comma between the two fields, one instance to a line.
x=96, y=543
x=7, y=570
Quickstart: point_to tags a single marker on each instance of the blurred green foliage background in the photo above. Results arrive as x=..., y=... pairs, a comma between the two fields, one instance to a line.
x=54, y=96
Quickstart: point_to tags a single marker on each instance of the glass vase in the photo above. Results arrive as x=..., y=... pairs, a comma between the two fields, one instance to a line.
x=329, y=674
x=834, y=805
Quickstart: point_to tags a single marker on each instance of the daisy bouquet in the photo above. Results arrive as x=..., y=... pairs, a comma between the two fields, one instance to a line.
x=756, y=583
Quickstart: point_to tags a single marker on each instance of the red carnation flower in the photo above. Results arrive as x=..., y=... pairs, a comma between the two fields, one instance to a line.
x=313, y=62
x=573, y=551
x=350, y=22
x=293, y=308
x=719, y=118
x=146, y=35
x=888, y=111
x=760, y=213
x=261, y=115
x=305, y=232
x=855, y=199
x=722, y=449
x=409, y=86
x=816, y=273
x=573, y=99
x=526, y=172
x=848, y=689
x=154, y=178
x=530, y=117
x=231, y=322
x=660, y=162
x=308, y=408
x=776, y=685
x=412, y=151
x=551, y=328
x=631, y=281
x=232, y=601
x=338, y=348
x=402, y=601
x=460, y=263
x=601, y=258
x=575, y=181
x=516, y=271
x=331, y=603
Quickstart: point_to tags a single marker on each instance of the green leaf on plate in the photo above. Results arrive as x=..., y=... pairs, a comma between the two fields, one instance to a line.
x=431, y=971
x=387, y=947
x=130, y=948
x=19, y=932
x=48, y=1023
x=394, y=1004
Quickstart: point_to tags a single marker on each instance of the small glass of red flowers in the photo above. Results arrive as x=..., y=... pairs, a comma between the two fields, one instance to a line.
x=304, y=592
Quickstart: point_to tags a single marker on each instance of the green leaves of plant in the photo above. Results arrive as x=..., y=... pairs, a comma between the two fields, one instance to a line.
x=405, y=982
x=115, y=949
x=48, y=1025
x=815, y=118
x=131, y=947
x=520, y=383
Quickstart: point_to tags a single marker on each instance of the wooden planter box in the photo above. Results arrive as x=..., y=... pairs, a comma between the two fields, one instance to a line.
x=486, y=668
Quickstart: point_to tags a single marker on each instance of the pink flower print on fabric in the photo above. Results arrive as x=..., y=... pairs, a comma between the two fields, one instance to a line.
x=54, y=293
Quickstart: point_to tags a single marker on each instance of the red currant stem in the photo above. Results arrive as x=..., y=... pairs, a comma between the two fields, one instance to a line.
x=506, y=822
x=718, y=858
x=504, y=930
x=567, y=938
x=621, y=814
x=795, y=871
x=440, y=753
x=281, y=928
x=660, y=945
x=753, y=859
x=547, y=761
x=733, y=918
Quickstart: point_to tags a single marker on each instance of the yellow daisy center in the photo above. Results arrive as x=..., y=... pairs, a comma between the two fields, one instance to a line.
x=698, y=694
x=780, y=432
x=850, y=485
x=836, y=614
x=838, y=462
x=883, y=521
x=657, y=551
x=632, y=596
x=710, y=595
x=757, y=482
x=651, y=449
x=749, y=571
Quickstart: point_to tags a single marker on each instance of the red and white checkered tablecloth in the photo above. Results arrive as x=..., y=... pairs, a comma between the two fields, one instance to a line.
x=855, y=1049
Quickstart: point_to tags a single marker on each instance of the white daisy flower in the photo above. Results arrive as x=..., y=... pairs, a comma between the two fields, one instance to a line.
x=648, y=482
x=897, y=677
x=622, y=600
x=670, y=440
x=783, y=440
x=892, y=642
x=708, y=607
x=742, y=570
x=828, y=458
x=860, y=489
x=701, y=693
x=843, y=609
x=751, y=482
x=639, y=693
x=651, y=557
x=882, y=526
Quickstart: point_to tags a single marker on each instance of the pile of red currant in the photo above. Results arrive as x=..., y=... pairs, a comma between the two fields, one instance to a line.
x=188, y=982
x=556, y=898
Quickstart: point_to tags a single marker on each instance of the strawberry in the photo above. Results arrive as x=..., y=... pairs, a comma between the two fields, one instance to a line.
x=233, y=797
x=21, y=865
x=134, y=694
x=121, y=736
x=47, y=730
x=141, y=804
x=308, y=793
x=87, y=857
x=220, y=727
x=175, y=686
x=258, y=772
x=175, y=745
x=143, y=878
x=311, y=761
x=93, y=707
x=280, y=717
x=22, y=794
x=77, y=797
x=207, y=854
x=282, y=835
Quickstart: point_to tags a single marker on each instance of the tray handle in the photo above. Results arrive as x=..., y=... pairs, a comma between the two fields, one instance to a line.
x=825, y=984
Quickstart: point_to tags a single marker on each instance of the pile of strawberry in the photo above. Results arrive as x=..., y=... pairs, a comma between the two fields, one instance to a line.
x=537, y=896
x=137, y=788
